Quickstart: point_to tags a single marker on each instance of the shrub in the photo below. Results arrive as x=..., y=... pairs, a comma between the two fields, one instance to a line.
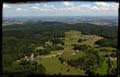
x=43, y=52
x=81, y=47
x=113, y=55
x=80, y=40
x=57, y=41
x=61, y=60
x=68, y=70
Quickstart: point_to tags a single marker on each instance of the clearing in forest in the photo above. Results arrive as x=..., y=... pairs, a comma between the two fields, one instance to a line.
x=53, y=64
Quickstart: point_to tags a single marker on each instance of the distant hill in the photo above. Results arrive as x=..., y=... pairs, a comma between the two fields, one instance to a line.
x=51, y=23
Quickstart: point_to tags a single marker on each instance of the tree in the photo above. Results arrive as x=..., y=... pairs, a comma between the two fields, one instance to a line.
x=109, y=65
x=113, y=71
x=80, y=40
x=114, y=54
x=59, y=48
x=90, y=72
x=87, y=63
x=32, y=67
x=42, y=52
x=57, y=41
x=61, y=59
x=68, y=70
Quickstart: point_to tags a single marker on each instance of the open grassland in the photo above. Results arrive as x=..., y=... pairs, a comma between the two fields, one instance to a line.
x=72, y=37
x=102, y=69
x=53, y=64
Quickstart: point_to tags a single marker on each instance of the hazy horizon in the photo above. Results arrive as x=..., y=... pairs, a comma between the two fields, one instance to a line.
x=55, y=16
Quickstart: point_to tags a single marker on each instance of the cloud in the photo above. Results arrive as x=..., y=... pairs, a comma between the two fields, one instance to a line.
x=21, y=9
x=49, y=6
x=68, y=3
x=85, y=6
x=44, y=7
x=105, y=4
x=102, y=4
x=114, y=5
x=107, y=7
x=98, y=7
x=6, y=6
x=69, y=8
x=37, y=4
x=95, y=8
x=35, y=7
x=89, y=8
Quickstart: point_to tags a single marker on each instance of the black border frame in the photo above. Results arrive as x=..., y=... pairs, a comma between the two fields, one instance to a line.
x=30, y=1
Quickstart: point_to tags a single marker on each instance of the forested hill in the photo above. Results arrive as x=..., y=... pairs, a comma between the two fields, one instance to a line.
x=51, y=23
x=86, y=28
x=58, y=29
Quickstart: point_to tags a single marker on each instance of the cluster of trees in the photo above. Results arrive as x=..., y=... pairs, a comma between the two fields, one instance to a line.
x=42, y=52
x=54, y=47
x=114, y=54
x=48, y=49
x=20, y=41
x=105, y=31
x=61, y=59
x=80, y=40
x=112, y=70
x=107, y=43
x=57, y=41
x=81, y=47
x=32, y=67
x=24, y=68
x=88, y=63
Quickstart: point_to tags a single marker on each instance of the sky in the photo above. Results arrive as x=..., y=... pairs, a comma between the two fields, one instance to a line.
x=61, y=8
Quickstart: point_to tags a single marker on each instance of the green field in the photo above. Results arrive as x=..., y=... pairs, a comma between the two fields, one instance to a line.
x=102, y=69
x=54, y=66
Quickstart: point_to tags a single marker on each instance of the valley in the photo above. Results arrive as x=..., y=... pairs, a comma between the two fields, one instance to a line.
x=59, y=49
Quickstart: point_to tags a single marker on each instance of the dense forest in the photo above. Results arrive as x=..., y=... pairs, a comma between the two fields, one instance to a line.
x=19, y=43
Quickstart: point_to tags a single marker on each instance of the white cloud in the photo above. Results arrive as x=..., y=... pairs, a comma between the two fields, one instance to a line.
x=99, y=7
x=107, y=7
x=37, y=4
x=48, y=6
x=95, y=8
x=21, y=9
x=68, y=3
x=85, y=6
x=6, y=6
x=85, y=9
x=102, y=4
x=35, y=7
x=45, y=5
x=114, y=5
